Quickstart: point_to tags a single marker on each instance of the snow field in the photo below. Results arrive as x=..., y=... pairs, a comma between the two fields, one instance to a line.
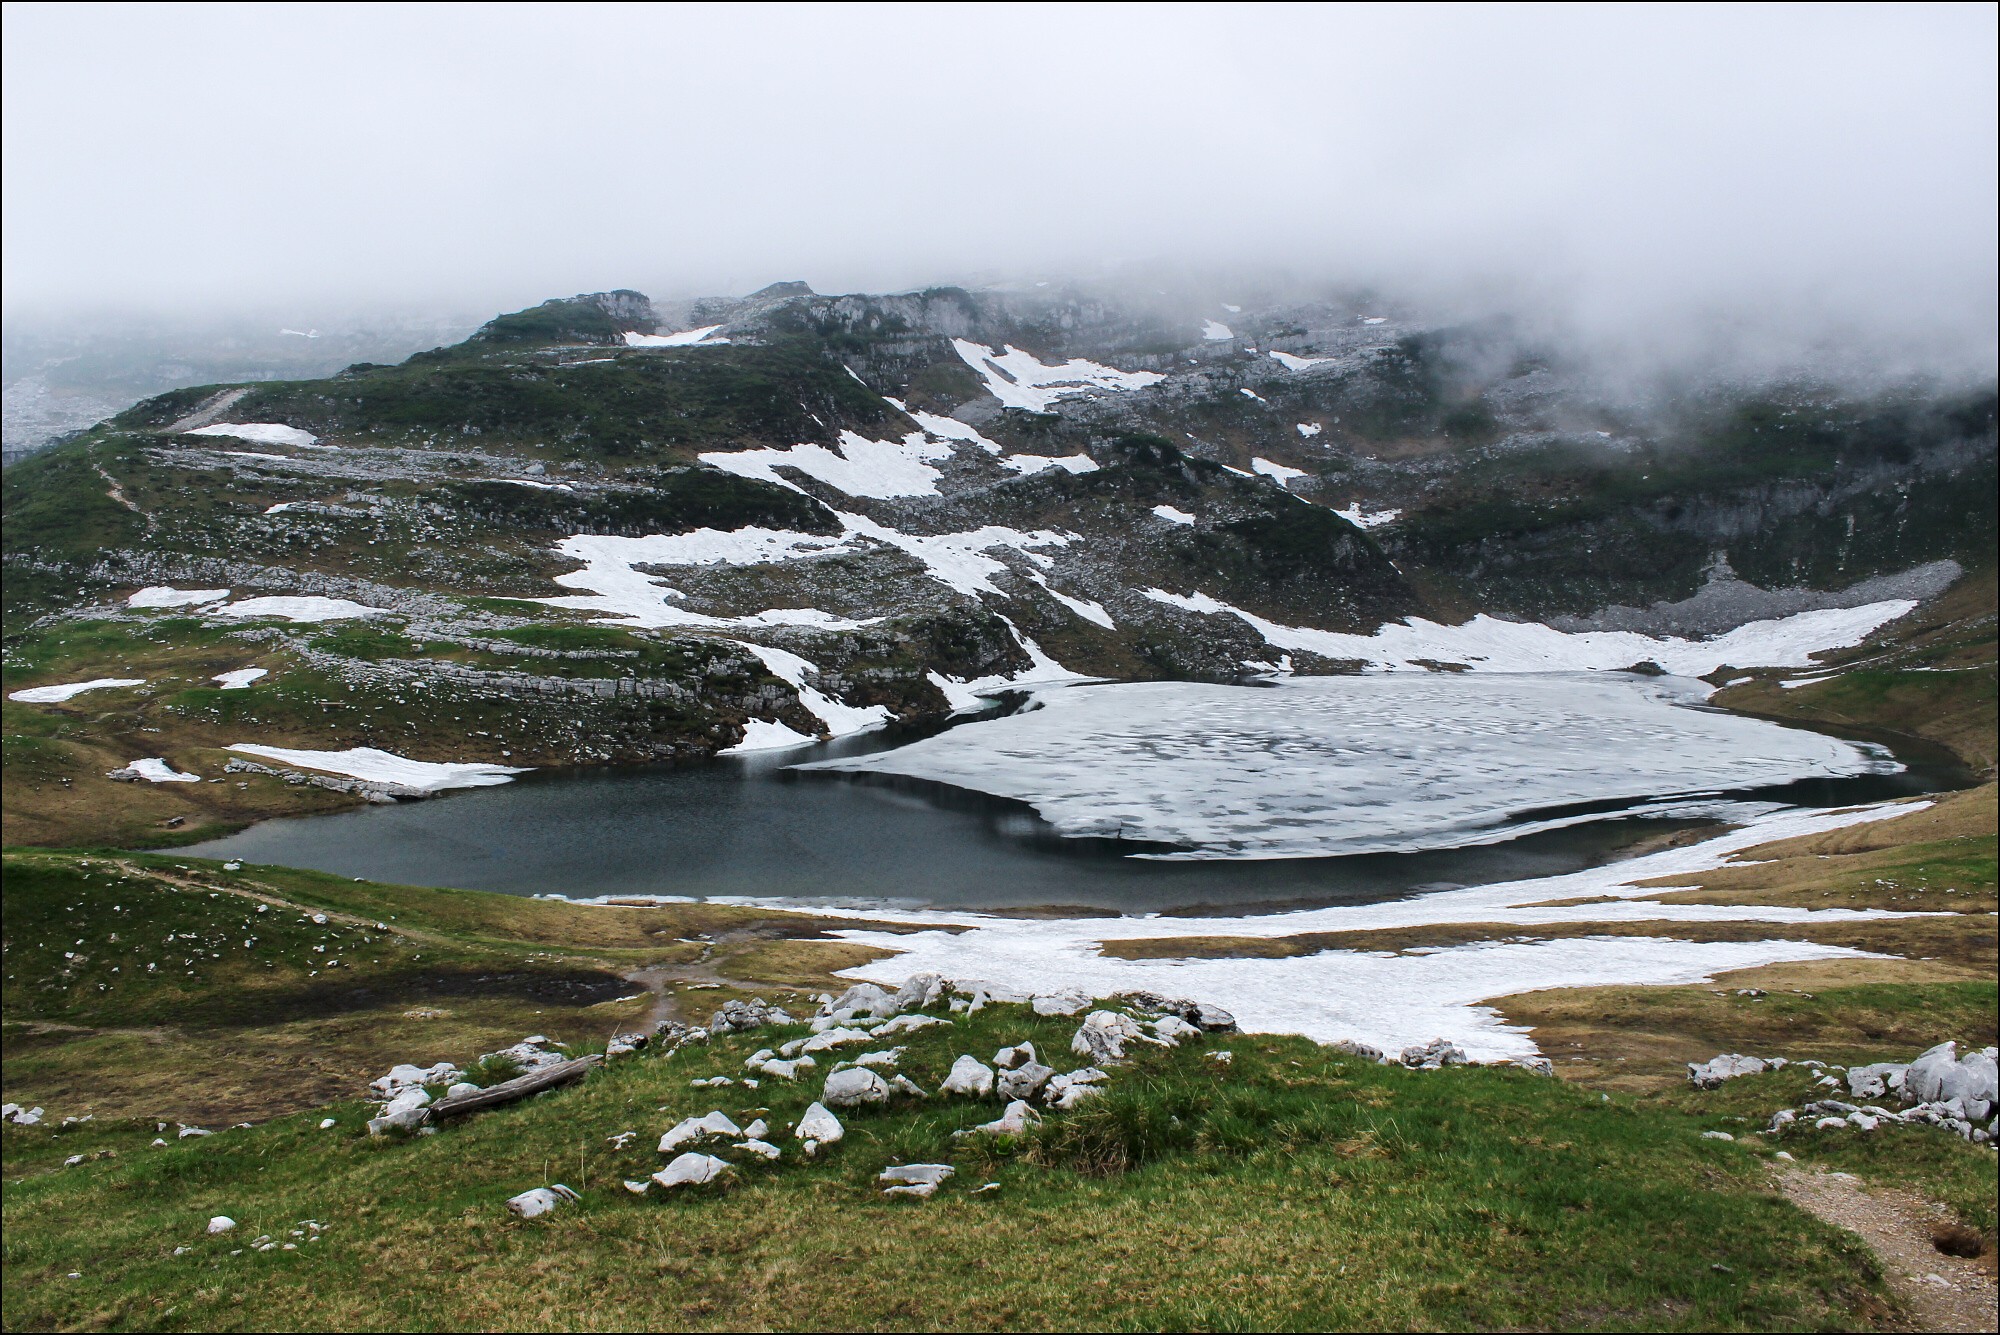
x=385, y=767
x=1019, y=380
x=258, y=433
x=687, y=338
x=162, y=595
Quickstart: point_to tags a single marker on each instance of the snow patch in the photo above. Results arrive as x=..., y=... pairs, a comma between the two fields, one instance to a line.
x=1488, y=644
x=1291, y=363
x=686, y=338
x=259, y=433
x=1083, y=607
x=1018, y=380
x=841, y=720
x=162, y=595
x=155, y=769
x=385, y=767
x=1173, y=515
x=1278, y=473
x=1309, y=429
x=55, y=695
x=1361, y=518
x=860, y=467
x=764, y=735
x=298, y=609
x=240, y=679
x=1214, y=331
x=1029, y=464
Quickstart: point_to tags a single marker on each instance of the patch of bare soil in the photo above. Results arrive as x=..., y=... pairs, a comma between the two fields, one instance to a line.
x=1937, y=1290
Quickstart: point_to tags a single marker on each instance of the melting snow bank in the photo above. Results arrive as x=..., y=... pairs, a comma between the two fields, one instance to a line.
x=154, y=769
x=686, y=338
x=391, y=773
x=1335, y=766
x=1488, y=644
x=299, y=609
x=240, y=679
x=1018, y=380
x=259, y=433
x=860, y=467
x=55, y=695
x=162, y=595
x=1389, y=1000
x=1361, y=518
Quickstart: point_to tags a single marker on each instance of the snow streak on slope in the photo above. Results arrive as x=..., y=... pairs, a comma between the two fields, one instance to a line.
x=841, y=720
x=1278, y=473
x=860, y=467
x=1291, y=363
x=1334, y=766
x=1030, y=464
x=161, y=595
x=1489, y=644
x=1361, y=518
x=687, y=338
x=55, y=695
x=1018, y=380
x=385, y=767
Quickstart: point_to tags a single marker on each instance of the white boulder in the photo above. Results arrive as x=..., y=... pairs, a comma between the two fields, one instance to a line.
x=221, y=1223
x=1103, y=1035
x=818, y=1127
x=914, y=1179
x=969, y=1077
x=691, y=1170
x=533, y=1204
x=854, y=1087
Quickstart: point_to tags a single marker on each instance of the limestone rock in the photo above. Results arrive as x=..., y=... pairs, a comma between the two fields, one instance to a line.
x=1060, y=1003
x=902, y=1084
x=737, y=1016
x=915, y=1179
x=1066, y=1091
x=1173, y=1029
x=817, y=1128
x=1023, y=1082
x=713, y=1123
x=691, y=1170
x=866, y=999
x=905, y=1024
x=1434, y=1054
x=969, y=1077
x=921, y=989
x=1015, y=1121
x=854, y=1087
x=1103, y=1035
x=533, y=1204
x=1728, y=1066
x=1352, y=1048
x=221, y=1223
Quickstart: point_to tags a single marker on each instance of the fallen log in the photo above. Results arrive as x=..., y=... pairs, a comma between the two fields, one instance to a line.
x=508, y=1091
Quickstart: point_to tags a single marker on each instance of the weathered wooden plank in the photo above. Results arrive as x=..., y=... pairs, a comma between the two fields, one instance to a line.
x=508, y=1091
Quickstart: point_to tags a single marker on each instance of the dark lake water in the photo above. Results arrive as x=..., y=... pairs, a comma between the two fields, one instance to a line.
x=745, y=826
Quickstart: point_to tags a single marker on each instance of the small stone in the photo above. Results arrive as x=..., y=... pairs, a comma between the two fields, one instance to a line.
x=221, y=1223
x=1024, y=1082
x=1173, y=1029
x=762, y=1148
x=1434, y=1055
x=1716, y=1135
x=1351, y=1048
x=327, y=1123
x=1103, y=1035
x=1060, y=1003
x=1015, y=1121
x=902, y=1084
x=1007, y=1059
x=818, y=1127
x=1222, y=1058
x=714, y=1123
x=534, y=1204
x=925, y=1175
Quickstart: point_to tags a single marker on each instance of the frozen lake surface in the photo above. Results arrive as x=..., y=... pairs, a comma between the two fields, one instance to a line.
x=1323, y=767
x=1474, y=779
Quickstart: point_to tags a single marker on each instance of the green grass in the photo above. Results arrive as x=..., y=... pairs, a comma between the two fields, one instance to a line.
x=1291, y=1189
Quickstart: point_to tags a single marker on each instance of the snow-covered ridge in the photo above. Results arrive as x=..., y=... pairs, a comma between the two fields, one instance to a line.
x=1488, y=644
x=1018, y=380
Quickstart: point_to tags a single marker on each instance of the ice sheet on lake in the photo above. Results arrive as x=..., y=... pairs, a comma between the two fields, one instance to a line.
x=1332, y=766
x=1488, y=644
x=385, y=767
x=163, y=595
x=1018, y=380
x=55, y=695
x=258, y=433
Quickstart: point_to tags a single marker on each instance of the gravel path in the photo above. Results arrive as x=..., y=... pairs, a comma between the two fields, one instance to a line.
x=1938, y=1292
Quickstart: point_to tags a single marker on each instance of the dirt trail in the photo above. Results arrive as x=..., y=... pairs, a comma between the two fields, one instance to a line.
x=210, y=408
x=1938, y=1292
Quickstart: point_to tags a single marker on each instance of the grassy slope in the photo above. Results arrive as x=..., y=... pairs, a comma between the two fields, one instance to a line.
x=1293, y=1188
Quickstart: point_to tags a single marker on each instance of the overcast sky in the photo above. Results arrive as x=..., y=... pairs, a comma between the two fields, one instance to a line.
x=1627, y=167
